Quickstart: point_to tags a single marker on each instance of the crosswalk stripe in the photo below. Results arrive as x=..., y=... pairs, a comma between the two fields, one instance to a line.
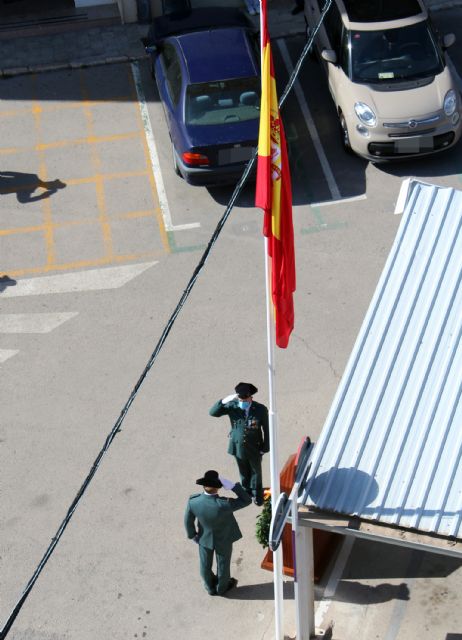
x=89, y=280
x=32, y=322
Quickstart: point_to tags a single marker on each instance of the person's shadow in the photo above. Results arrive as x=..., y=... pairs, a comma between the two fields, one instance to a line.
x=24, y=185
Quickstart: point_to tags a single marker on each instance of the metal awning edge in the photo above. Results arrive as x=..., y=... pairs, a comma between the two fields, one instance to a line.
x=358, y=528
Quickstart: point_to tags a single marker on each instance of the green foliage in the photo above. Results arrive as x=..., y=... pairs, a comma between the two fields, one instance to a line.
x=263, y=523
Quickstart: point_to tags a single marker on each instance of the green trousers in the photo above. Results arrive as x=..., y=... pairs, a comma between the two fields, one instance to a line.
x=218, y=584
x=251, y=478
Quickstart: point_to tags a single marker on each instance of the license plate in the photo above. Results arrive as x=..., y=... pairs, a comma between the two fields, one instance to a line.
x=413, y=145
x=235, y=154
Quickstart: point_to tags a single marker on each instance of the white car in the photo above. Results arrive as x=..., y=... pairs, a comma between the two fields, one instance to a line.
x=388, y=76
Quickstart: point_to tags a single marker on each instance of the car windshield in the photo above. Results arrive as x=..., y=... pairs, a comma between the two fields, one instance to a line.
x=405, y=53
x=223, y=102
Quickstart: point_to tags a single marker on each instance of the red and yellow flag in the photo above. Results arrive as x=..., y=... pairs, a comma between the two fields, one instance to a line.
x=274, y=195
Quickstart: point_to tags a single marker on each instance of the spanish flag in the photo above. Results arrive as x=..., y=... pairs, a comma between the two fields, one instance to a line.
x=274, y=195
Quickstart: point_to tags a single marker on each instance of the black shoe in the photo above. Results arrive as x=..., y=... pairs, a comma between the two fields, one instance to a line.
x=258, y=501
x=231, y=584
x=212, y=592
x=296, y=10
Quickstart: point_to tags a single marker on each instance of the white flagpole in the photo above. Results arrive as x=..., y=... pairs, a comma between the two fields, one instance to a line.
x=274, y=454
x=272, y=420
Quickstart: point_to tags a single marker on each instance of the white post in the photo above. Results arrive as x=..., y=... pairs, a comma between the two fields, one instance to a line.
x=274, y=455
x=302, y=540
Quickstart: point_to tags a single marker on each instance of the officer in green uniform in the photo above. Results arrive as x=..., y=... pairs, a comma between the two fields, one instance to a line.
x=209, y=520
x=249, y=435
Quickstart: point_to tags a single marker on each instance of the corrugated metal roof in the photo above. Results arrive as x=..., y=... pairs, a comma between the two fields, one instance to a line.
x=391, y=447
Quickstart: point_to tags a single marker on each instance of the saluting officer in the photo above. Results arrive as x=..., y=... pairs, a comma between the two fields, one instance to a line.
x=249, y=435
x=209, y=520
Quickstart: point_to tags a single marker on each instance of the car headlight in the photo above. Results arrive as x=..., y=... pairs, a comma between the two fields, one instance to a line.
x=365, y=114
x=450, y=102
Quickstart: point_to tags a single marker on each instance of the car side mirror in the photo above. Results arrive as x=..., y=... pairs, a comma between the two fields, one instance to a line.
x=448, y=40
x=329, y=55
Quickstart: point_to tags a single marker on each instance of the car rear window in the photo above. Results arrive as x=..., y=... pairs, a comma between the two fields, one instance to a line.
x=381, y=10
x=405, y=53
x=223, y=102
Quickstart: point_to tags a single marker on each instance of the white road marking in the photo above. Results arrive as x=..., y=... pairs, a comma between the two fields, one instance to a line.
x=33, y=322
x=5, y=354
x=341, y=201
x=334, y=578
x=90, y=280
x=154, y=156
x=333, y=188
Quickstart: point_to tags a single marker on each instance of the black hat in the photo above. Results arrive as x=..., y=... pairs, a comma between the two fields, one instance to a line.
x=245, y=389
x=210, y=479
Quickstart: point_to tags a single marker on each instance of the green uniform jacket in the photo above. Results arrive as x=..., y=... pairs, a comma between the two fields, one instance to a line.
x=216, y=524
x=248, y=436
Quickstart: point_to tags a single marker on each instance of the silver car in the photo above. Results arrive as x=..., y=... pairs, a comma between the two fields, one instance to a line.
x=388, y=76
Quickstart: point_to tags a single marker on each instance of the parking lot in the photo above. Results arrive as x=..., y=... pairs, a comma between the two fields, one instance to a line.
x=124, y=568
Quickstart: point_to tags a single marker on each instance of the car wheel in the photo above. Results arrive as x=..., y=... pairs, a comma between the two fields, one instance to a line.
x=344, y=133
x=175, y=163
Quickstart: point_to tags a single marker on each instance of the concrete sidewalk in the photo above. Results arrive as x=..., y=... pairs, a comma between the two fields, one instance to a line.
x=108, y=45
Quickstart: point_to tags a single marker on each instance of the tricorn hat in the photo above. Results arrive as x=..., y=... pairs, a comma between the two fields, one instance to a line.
x=210, y=479
x=245, y=389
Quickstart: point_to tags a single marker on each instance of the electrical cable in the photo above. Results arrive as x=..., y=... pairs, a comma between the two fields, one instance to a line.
x=117, y=426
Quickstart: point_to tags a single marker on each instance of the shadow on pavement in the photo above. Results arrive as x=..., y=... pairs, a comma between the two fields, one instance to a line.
x=358, y=593
x=263, y=591
x=6, y=281
x=375, y=560
x=24, y=185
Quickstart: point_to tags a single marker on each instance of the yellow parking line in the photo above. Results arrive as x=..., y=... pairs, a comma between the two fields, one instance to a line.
x=108, y=176
x=45, y=203
x=83, y=264
x=152, y=182
x=134, y=214
x=92, y=139
x=16, y=230
x=74, y=181
x=21, y=111
x=75, y=223
x=96, y=161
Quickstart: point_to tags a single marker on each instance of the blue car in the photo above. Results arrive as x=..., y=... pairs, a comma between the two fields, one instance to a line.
x=207, y=74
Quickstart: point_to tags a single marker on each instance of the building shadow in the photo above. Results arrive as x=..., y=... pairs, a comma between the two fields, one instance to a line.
x=376, y=560
x=453, y=636
x=6, y=281
x=25, y=185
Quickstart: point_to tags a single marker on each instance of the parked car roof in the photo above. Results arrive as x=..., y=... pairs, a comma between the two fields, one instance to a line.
x=207, y=55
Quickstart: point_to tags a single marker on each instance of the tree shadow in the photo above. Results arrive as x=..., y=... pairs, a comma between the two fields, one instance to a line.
x=24, y=185
x=6, y=281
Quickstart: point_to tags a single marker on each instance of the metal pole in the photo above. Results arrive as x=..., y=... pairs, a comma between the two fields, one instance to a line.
x=302, y=545
x=274, y=455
